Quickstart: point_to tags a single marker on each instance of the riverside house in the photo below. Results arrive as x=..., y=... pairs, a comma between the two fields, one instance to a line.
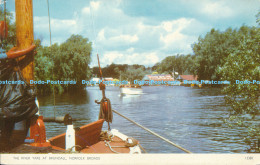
x=154, y=78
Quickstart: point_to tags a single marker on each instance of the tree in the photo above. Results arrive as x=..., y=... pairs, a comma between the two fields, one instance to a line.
x=211, y=52
x=179, y=63
x=241, y=67
x=65, y=62
x=132, y=74
x=115, y=70
x=43, y=67
x=72, y=63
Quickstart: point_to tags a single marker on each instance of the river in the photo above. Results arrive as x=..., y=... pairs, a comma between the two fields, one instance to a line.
x=186, y=116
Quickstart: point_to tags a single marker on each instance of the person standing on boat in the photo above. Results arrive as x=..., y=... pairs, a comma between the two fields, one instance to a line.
x=17, y=98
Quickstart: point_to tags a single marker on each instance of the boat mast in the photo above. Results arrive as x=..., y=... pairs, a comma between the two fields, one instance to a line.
x=24, y=34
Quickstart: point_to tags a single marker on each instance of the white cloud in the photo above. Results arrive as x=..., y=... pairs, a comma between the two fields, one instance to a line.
x=86, y=10
x=124, y=38
x=94, y=5
x=60, y=28
x=130, y=50
x=217, y=9
x=146, y=58
x=174, y=37
x=121, y=38
x=101, y=35
x=151, y=58
x=129, y=57
x=70, y=25
x=149, y=43
x=110, y=57
x=178, y=24
x=167, y=26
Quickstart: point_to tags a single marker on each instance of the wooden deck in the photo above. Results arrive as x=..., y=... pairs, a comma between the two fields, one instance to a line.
x=88, y=138
x=101, y=147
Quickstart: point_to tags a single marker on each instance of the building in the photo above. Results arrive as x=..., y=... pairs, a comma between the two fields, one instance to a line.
x=96, y=79
x=154, y=78
x=181, y=78
x=105, y=79
x=108, y=79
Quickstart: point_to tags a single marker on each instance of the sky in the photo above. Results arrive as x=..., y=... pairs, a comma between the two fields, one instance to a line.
x=140, y=32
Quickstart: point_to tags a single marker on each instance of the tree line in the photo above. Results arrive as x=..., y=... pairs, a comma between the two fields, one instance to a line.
x=122, y=71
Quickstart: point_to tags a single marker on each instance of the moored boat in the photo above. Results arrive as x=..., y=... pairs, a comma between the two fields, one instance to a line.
x=131, y=90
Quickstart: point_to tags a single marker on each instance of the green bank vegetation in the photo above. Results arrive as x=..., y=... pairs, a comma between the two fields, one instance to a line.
x=123, y=72
x=65, y=62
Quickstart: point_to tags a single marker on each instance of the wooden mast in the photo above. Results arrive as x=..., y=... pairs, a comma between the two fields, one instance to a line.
x=24, y=34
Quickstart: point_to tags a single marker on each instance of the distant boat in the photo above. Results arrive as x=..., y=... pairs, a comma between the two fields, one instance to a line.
x=131, y=90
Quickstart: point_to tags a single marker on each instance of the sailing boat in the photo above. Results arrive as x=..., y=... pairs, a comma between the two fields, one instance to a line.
x=20, y=118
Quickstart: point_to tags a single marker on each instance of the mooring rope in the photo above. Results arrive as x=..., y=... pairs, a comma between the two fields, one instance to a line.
x=153, y=133
x=107, y=144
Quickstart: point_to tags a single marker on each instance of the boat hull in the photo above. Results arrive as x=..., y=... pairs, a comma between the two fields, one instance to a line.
x=88, y=140
x=131, y=91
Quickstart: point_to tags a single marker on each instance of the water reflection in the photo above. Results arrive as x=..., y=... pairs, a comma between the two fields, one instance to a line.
x=76, y=98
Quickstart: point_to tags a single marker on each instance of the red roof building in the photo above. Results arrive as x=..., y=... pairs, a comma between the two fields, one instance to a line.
x=187, y=77
x=159, y=77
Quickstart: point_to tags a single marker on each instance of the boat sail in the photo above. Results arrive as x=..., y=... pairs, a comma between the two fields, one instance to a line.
x=20, y=112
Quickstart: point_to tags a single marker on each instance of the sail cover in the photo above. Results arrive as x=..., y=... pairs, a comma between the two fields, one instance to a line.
x=17, y=98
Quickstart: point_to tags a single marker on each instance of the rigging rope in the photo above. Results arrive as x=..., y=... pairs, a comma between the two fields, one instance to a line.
x=153, y=133
x=53, y=91
x=5, y=17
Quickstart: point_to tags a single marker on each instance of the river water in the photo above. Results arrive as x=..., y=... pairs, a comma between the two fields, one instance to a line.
x=186, y=116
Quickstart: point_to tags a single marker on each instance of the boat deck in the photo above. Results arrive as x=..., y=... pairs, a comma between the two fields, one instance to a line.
x=89, y=139
x=102, y=147
x=25, y=148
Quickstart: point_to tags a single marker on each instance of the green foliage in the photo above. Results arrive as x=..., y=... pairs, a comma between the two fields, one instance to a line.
x=211, y=52
x=74, y=58
x=132, y=73
x=43, y=67
x=183, y=64
x=10, y=41
x=123, y=71
x=243, y=64
x=65, y=62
